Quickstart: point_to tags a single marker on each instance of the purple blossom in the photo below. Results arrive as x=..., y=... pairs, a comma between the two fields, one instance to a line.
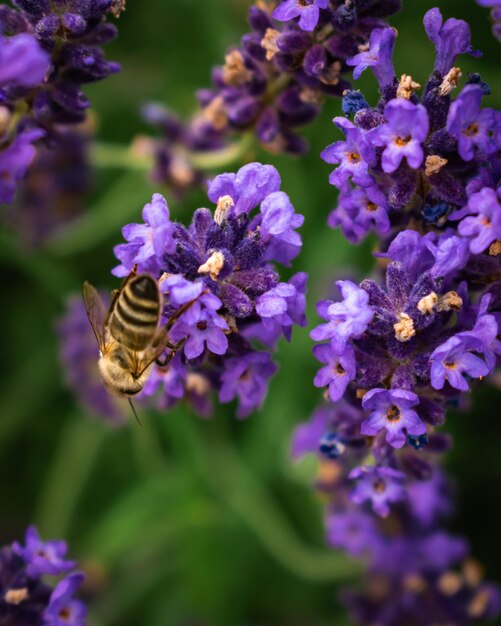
x=381, y=486
x=179, y=290
x=450, y=252
x=470, y=124
x=442, y=256
x=22, y=61
x=346, y=319
x=283, y=306
x=482, y=226
x=353, y=156
x=378, y=57
x=483, y=336
x=15, y=160
x=246, y=378
x=402, y=136
x=451, y=39
x=63, y=609
x=308, y=12
x=353, y=531
x=168, y=383
x=203, y=327
x=278, y=223
x=146, y=241
x=307, y=435
x=43, y=557
x=359, y=211
x=247, y=188
x=339, y=370
x=452, y=360
x=391, y=410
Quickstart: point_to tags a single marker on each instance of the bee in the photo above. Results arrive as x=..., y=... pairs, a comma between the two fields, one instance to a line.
x=128, y=333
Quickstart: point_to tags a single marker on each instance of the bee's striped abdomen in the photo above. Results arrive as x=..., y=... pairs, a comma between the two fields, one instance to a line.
x=135, y=315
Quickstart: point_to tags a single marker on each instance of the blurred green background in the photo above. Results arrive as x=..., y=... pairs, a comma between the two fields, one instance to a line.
x=186, y=521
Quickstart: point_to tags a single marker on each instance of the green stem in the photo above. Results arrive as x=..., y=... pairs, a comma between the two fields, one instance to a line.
x=115, y=156
x=79, y=446
x=217, y=159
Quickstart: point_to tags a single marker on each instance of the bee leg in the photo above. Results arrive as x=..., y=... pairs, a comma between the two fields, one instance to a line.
x=174, y=348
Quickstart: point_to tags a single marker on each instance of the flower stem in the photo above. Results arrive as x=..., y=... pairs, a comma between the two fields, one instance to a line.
x=105, y=155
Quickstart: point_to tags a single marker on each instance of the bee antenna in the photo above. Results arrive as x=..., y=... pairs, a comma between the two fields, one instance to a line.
x=135, y=413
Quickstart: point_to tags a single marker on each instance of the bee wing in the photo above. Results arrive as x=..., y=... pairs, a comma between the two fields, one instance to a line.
x=96, y=312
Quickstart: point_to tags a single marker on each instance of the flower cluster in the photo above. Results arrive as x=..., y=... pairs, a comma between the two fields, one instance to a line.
x=398, y=351
x=47, y=51
x=392, y=517
x=26, y=596
x=404, y=351
x=275, y=81
x=222, y=269
x=495, y=6
x=407, y=163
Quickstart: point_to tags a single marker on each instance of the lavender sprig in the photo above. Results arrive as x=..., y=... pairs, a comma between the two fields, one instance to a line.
x=48, y=51
x=411, y=164
x=26, y=598
x=271, y=84
x=397, y=352
x=226, y=261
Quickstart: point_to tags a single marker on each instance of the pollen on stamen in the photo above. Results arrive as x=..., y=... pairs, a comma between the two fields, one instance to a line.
x=450, y=81
x=235, y=73
x=427, y=304
x=16, y=596
x=213, y=265
x=215, y=113
x=450, y=300
x=495, y=248
x=404, y=328
x=434, y=164
x=407, y=86
x=223, y=206
x=269, y=43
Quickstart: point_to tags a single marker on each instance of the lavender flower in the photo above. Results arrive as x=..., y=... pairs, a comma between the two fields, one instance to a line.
x=23, y=62
x=308, y=12
x=63, y=609
x=346, y=319
x=483, y=225
x=381, y=486
x=378, y=57
x=401, y=137
x=43, y=557
x=471, y=125
x=46, y=54
x=391, y=411
x=270, y=85
x=26, y=598
x=14, y=162
x=415, y=162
